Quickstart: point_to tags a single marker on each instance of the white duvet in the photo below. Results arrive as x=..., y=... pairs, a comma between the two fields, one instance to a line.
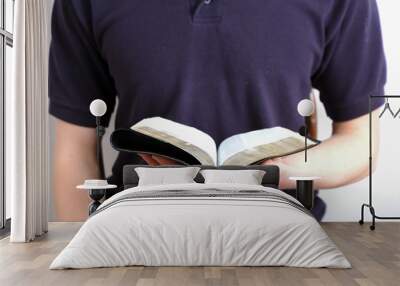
x=202, y=231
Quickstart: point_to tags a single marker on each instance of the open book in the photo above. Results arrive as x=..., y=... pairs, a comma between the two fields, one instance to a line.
x=188, y=145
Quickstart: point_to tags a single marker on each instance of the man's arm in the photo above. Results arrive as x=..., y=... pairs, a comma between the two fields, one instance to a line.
x=74, y=160
x=340, y=160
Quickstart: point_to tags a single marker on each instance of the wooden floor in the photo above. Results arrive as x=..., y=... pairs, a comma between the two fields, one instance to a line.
x=375, y=257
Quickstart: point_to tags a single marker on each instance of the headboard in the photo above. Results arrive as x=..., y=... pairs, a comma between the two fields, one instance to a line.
x=271, y=177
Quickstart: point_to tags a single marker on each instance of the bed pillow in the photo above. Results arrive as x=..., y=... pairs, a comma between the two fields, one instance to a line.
x=166, y=176
x=246, y=177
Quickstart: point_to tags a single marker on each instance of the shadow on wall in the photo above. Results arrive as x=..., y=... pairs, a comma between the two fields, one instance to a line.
x=108, y=152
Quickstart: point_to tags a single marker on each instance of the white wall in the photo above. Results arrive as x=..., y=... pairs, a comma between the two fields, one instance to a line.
x=344, y=203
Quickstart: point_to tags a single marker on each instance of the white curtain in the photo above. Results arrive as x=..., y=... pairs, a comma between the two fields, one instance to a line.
x=27, y=134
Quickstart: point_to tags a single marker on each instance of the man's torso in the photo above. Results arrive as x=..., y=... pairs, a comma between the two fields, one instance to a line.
x=225, y=67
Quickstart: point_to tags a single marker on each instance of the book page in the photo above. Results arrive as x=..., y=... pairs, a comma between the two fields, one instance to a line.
x=248, y=148
x=195, y=142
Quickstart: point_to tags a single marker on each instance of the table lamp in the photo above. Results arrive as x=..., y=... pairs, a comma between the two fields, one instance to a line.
x=98, y=108
x=304, y=185
x=97, y=187
x=305, y=108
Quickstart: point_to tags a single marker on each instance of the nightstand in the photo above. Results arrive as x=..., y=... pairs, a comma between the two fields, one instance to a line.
x=96, y=189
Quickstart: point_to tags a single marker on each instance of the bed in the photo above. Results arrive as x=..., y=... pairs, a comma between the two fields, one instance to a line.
x=201, y=224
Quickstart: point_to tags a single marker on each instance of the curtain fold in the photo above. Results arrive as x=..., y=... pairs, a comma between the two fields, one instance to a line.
x=27, y=121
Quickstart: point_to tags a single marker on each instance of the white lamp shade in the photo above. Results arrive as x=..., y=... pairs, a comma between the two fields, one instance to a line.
x=98, y=107
x=305, y=107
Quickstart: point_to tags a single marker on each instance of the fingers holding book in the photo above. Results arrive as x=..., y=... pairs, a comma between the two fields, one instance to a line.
x=154, y=160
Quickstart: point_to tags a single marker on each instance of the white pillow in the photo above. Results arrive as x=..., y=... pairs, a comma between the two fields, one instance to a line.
x=166, y=176
x=247, y=177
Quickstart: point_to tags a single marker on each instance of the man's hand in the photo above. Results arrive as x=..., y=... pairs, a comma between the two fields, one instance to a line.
x=154, y=160
x=340, y=160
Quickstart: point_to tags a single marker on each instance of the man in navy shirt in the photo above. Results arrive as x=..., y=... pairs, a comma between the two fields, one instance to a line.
x=221, y=66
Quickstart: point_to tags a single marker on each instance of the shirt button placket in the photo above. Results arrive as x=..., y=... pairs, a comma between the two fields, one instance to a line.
x=207, y=11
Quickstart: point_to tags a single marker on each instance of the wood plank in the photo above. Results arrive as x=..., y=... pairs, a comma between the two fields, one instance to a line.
x=375, y=257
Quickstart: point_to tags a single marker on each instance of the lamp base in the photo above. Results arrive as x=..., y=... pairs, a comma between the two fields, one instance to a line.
x=305, y=190
x=96, y=195
x=305, y=193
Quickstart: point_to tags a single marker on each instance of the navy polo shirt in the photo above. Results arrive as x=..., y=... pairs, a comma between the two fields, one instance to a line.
x=223, y=66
